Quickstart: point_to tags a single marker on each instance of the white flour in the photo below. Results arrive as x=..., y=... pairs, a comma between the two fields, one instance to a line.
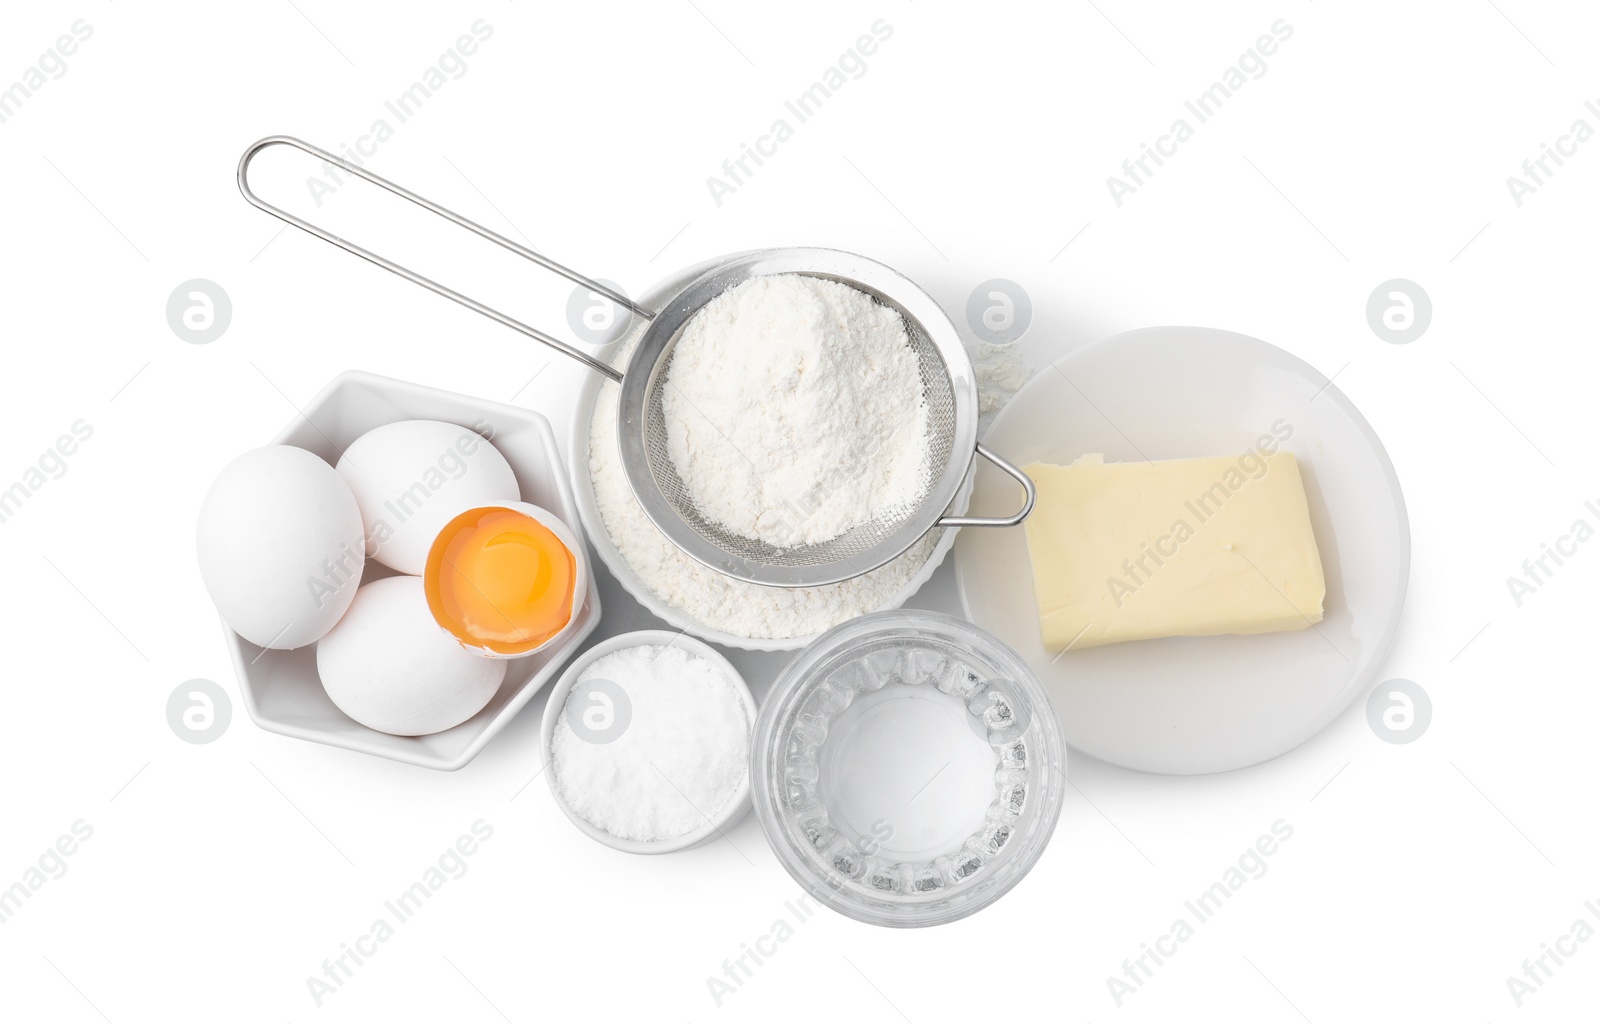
x=794, y=410
x=708, y=597
x=678, y=762
x=1000, y=375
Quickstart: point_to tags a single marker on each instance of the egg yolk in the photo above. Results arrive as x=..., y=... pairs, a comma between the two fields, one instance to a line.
x=500, y=580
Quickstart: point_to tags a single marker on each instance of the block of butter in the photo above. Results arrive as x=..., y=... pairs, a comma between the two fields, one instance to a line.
x=1182, y=547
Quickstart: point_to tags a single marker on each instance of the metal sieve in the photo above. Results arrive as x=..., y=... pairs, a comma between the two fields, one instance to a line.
x=948, y=388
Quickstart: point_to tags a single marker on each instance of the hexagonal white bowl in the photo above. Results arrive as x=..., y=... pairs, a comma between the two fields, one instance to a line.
x=281, y=689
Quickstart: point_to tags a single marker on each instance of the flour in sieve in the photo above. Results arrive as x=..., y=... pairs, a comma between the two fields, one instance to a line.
x=718, y=601
x=794, y=410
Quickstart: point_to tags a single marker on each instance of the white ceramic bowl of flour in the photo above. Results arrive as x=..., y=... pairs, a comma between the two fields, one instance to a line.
x=745, y=624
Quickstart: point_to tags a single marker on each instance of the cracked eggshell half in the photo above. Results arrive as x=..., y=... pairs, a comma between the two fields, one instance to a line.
x=411, y=477
x=506, y=580
x=280, y=546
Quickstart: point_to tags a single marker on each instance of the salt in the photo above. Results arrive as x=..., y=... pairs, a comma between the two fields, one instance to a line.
x=678, y=762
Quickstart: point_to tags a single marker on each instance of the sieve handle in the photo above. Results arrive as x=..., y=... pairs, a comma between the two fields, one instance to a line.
x=1029, y=491
x=428, y=283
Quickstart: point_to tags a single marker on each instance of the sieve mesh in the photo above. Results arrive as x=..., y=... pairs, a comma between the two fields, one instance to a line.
x=937, y=392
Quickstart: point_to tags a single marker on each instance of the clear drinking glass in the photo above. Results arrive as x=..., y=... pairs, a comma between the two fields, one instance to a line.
x=907, y=768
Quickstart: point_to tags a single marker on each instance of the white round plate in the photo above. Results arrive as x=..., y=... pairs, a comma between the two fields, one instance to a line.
x=1195, y=705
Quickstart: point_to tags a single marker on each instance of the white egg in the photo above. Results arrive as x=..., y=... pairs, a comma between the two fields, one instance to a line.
x=280, y=546
x=413, y=476
x=389, y=666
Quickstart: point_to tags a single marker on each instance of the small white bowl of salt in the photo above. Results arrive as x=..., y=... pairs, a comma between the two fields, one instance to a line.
x=647, y=741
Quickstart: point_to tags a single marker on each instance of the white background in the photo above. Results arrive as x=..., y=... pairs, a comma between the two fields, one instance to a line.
x=977, y=144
